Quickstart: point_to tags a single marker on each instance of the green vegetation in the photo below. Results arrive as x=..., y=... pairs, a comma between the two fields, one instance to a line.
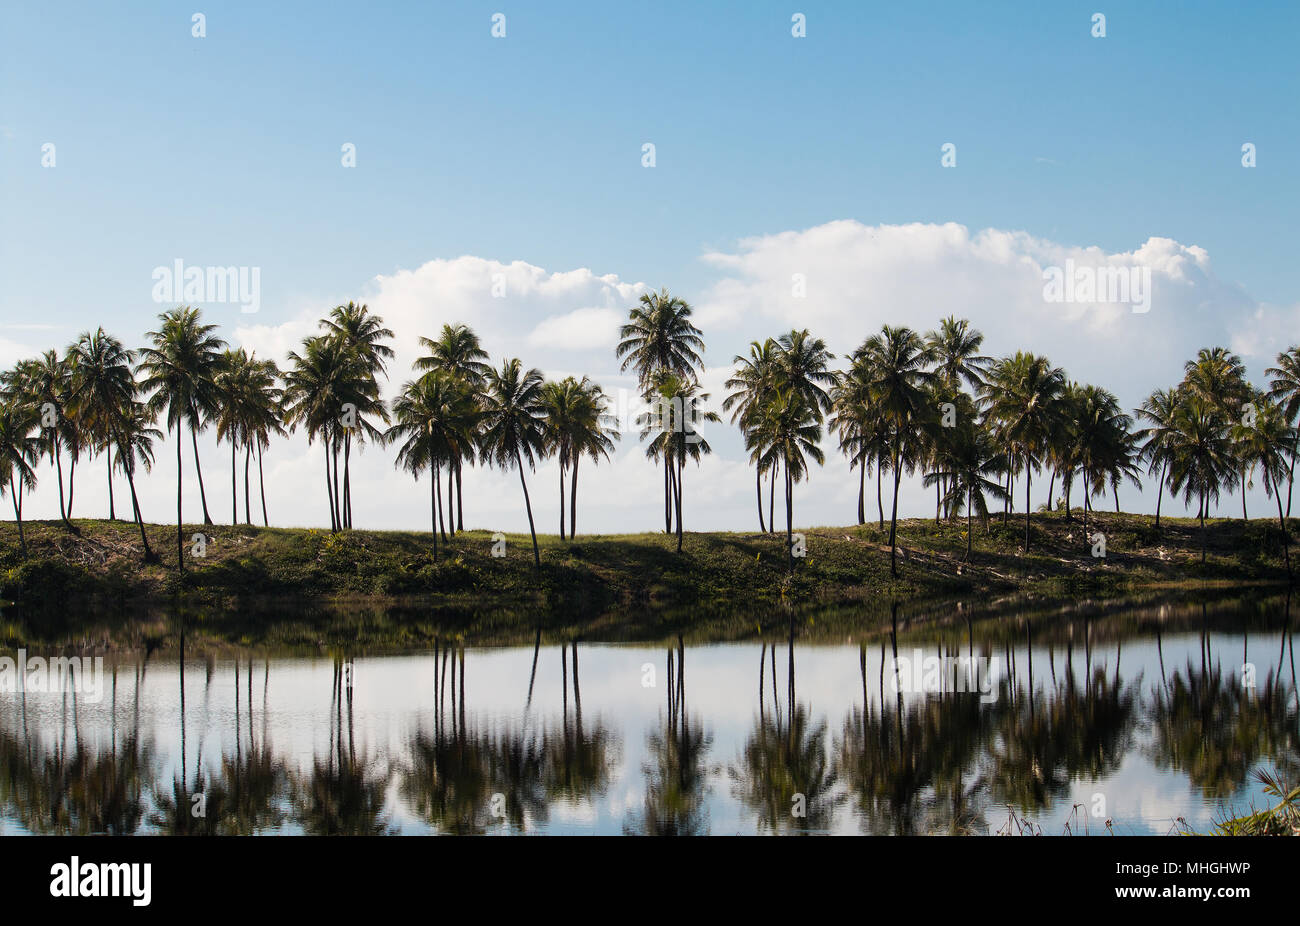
x=95, y=565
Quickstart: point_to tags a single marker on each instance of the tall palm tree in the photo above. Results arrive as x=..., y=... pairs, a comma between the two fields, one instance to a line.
x=671, y=428
x=1105, y=448
x=660, y=338
x=314, y=393
x=803, y=364
x=362, y=334
x=751, y=386
x=576, y=424
x=854, y=422
x=433, y=419
x=232, y=382
x=102, y=397
x=514, y=431
x=1201, y=458
x=1218, y=377
x=1267, y=444
x=1158, y=410
x=133, y=440
x=179, y=368
x=791, y=431
x=897, y=359
x=44, y=383
x=262, y=420
x=1284, y=389
x=20, y=448
x=1022, y=398
x=457, y=352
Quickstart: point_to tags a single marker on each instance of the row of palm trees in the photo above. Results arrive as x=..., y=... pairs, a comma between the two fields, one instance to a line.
x=907, y=402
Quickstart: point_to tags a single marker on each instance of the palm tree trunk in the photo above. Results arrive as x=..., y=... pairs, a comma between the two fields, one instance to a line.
x=771, y=500
x=442, y=521
x=562, y=475
x=198, y=466
x=668, y=511
x=1202, y=520
x=460, y=498
x=72, y=487
x=880, y=505
x=893, y=519
x=573, y=498
x=1160, y=493
x=758, y=490
x=180, y=473
x=108, y=456
x=347, y=479
x=528, y=505
x=234, y=483
x=433, y=515
x=261, y=486
x=329, y=489
x=1028, y=481
x=1051, y=490
x=969, y=527
x=862, y=490
x=139, y=518
x=58, y=463
x=1067, y=484
x=938, y=501
x=248, y=455
x=1244, y=516
x=451, y=497
x=1115, y=491
x=789, y=516
x=18, y=517
x=678, y=479
x=338, y=499
x=1281, y=520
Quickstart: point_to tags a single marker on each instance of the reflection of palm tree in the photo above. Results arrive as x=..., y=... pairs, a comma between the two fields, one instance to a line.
x=784, y=773
x=676, y=776
x=1216, y=730
x=344, y=794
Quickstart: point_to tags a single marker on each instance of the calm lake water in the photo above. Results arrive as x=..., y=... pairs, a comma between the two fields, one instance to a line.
x=1049, y=721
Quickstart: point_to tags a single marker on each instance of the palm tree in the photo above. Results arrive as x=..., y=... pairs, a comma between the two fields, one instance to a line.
x=1022, y=398
x=896, y=359
x=232, y=383
x=514, y=431
x=1284, y=389
x=1201, y=459
x=179, y=371
x=791, y=432
x=362, y=335
x=752, y=384
x=457, y=352
x=576, y=424
x=855, y=422
x=671, y=427
x=1105, y=449
x=1219, y=377
x=1267, y=443
x=660, y=338
x=133, y=439
x=954, y=350
x=803, y=364
x=20, y=448
x=313, y=396
x=967, y=458
x=102, y=397
x=261, y=421
x=44, y=383
x=1158, y=409
x=434, y=419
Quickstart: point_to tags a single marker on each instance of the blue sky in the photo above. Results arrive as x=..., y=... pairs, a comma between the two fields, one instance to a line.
x=225, y=150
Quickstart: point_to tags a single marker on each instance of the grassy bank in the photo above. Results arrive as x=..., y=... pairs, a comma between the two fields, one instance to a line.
x=98, y=565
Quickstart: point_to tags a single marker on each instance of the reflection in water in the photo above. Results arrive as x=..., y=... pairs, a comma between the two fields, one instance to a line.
x=1164, y=712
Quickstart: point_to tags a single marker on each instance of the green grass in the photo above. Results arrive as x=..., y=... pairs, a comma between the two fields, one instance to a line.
x=98, y=566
